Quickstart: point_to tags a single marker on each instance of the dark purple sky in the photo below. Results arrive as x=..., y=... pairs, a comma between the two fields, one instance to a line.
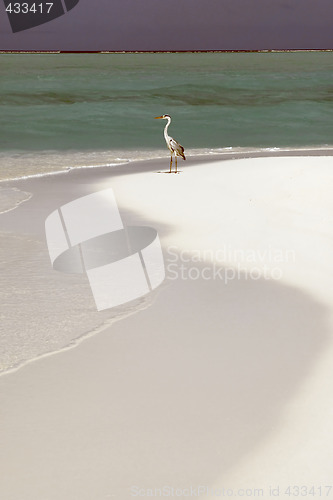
x=180, y=25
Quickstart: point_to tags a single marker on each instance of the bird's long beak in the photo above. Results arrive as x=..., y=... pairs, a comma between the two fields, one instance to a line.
x=158, y=117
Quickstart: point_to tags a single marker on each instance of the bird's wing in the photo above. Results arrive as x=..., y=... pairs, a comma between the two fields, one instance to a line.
x=176, y=147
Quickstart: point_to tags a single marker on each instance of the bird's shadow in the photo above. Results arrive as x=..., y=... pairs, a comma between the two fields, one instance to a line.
x=167, y=172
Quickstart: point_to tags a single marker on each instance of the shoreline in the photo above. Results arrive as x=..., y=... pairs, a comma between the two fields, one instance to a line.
x=15, y=223
x=214, y=154
x=79, y=181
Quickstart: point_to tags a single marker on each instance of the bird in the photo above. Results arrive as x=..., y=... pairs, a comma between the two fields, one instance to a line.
x=174, y=146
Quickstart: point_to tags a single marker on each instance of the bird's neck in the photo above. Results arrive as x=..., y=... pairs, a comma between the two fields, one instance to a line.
x=166, y=128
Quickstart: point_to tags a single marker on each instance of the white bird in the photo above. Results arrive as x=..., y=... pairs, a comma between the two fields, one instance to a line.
x=174, y=146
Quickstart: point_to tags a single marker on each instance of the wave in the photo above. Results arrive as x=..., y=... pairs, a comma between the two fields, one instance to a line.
x=185, y=94
x=16, y=166
x=11, y=198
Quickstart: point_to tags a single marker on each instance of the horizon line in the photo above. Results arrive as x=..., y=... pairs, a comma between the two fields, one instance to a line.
x=158, y=51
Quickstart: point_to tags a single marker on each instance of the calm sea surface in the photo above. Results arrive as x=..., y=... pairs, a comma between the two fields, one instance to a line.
x=87, y=104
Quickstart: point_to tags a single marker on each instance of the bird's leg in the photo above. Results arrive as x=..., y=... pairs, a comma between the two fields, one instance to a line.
x=176, y=163
x=170, y=164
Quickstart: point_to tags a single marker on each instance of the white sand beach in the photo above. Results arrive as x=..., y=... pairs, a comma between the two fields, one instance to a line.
x=219, y=382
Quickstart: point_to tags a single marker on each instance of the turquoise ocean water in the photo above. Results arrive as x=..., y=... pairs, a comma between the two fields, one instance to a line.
x=56, y=110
